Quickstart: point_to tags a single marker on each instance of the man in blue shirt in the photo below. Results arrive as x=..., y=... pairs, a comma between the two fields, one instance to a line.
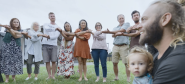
x=121, y=46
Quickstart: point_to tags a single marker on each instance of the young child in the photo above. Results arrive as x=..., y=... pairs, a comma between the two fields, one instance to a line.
x=140, y=63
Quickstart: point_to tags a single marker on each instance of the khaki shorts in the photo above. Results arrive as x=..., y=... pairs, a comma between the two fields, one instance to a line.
x=120, y=51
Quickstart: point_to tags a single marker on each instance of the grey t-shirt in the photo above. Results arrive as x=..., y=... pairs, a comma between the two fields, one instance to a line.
x=170, y=68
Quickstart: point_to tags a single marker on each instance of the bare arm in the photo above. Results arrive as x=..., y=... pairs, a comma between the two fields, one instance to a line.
x=12, y=32
x=82, y=38
x=69, y=36
x=129, y=34
x=113, y=32
x=81, y=33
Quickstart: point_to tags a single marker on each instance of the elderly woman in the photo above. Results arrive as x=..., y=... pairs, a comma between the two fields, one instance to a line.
x=34, y=50
x=99, y=51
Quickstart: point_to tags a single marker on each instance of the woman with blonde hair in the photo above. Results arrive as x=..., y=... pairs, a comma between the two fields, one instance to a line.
x=34, y=50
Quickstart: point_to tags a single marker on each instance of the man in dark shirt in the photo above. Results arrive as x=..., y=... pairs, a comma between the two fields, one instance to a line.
x=163, y=26
x=134, y=34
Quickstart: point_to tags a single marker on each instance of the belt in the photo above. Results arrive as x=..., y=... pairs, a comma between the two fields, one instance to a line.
x=120, y=45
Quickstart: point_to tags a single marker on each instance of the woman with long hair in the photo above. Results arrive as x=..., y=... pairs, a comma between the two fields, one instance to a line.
x=34, y=50
x=65, y=57
x=11, y=58
x=81, y=48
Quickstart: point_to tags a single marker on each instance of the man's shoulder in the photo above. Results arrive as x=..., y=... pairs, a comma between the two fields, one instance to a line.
x=179, y=50
x=176, y=56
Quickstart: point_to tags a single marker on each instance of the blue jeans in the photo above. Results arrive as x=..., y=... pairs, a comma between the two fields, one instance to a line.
x=102, y=55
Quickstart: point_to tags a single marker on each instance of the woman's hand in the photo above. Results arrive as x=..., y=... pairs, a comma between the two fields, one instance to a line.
x=26, y=34
x=7, y=27
x=89, y=31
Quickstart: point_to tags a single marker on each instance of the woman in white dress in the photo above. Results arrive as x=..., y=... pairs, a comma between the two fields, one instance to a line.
x=65, y=57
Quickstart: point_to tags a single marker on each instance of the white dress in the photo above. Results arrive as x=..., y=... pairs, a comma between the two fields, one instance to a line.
x=65, y=59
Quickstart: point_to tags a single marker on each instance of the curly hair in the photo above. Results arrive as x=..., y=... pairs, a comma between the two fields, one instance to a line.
x=182, y=2
x=178, y=18
x=144, y=52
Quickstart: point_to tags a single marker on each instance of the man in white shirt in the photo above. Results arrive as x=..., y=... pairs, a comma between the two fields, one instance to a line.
x=49, y=45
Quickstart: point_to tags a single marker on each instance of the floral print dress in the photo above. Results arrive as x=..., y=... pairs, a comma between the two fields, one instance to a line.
x=65, y=58
x=11, y=58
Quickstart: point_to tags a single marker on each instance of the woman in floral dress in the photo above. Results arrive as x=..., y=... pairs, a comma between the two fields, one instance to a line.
x=11, y=58
x=65, y=57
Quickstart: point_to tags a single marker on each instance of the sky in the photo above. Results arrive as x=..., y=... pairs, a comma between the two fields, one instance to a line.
x=72, y=11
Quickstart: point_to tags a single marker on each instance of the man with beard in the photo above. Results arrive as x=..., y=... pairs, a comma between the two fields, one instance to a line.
x=165, y=29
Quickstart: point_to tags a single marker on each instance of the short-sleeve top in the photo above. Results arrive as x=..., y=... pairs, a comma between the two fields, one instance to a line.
x=81, y=48
x=120, y=40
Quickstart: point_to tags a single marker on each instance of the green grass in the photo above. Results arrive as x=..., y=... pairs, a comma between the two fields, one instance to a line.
x=20, y=79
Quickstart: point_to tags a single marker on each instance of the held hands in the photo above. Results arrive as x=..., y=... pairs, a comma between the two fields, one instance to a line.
x=26, y=34
x=46, y=36
x=135, y=27
x=39, y=35
x=89, y=31
x=7, y=27
x=119, y=34
x=58, y=29
x=107, y=31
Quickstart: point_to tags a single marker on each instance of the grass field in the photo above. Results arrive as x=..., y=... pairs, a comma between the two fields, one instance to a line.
x=20, y=79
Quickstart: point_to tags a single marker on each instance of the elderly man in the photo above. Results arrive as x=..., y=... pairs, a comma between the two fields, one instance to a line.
x=165, y=30
x=121, y=46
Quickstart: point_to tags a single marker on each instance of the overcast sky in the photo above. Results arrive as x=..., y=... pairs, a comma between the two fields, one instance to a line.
x=103, y=11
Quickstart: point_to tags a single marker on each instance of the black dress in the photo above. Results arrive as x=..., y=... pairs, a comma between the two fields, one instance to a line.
x=1, y=78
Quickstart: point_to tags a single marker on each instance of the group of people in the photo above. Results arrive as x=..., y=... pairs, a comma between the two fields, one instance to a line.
x=163, y=30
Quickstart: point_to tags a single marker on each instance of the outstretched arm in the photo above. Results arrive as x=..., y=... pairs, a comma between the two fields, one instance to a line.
x=14, y=33
x=128, y=34
x=113, y=32
x=68, y=36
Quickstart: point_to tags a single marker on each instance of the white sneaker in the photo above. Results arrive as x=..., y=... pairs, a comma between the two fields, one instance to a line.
x=97, y=80
x=36, y=78
x=27, y=78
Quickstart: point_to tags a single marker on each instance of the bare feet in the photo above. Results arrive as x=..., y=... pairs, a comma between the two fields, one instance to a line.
x=85, y=79
x=80, y=79
x=128, y=79
x=48, y=78
x=53, y=78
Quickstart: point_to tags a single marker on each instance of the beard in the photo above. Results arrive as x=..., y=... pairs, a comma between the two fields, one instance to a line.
x=154, y=33
x=136, y=21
